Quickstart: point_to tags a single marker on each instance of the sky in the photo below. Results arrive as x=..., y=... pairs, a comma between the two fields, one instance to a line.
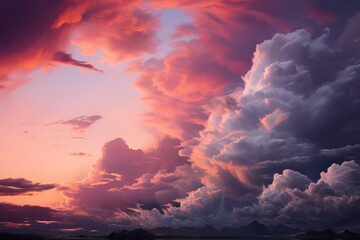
x=123, y=114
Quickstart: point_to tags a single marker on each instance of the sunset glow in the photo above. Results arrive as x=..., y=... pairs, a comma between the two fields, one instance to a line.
x=152, y=113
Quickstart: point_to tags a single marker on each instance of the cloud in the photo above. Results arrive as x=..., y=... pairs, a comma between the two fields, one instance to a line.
x=47, y=221
x=19, y=214
x=121, y=29
x=211, y=53
x=80, y=123
x=292, y=198
x=125, y=179
x=289, y=117
x=20, y=186
x=281, y=117
x=182, y=84
x=66, y=58
x=242, y=113
x=32, y=44
x=350, y=150
x=79, y=154
x=127, y=30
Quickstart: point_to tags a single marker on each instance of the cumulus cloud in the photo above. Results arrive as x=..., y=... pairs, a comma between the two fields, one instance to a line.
x=286, y=116
x=80, y=123
x=297, y=111
x=221, y=41
x=125, y=179
x=282, y=118
x=292, y=198
x=20, y=186
x=294, y=113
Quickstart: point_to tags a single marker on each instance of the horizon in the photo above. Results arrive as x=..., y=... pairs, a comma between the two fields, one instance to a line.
x=146, y=113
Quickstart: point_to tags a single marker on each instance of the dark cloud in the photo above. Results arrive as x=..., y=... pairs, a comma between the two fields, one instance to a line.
x=67, y=58
x=48, y=221
x=24, y=214
x=333, y=200
x=20, y=186
x=293, y=115
x=80, y=123
x=27, y=38
x=35, y=34
x=222, y=38
x=259, y=120
x=77, y=137
x=298, y=110
x=79, y=154
x=125, y=179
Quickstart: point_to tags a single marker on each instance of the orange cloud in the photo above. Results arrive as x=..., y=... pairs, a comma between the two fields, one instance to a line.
x=273, y=119
x=44, y=30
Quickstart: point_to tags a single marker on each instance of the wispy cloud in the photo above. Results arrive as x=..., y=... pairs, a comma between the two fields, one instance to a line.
x=79, y=154
x=80, y=123
x=67, y=58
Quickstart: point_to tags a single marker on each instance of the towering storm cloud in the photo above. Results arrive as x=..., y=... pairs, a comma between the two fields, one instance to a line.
x=298, y=109
x=286, y=117
x=125, y=179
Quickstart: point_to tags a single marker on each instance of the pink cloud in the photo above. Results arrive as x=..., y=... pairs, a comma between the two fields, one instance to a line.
x=273, y=119
x=286, y=90
x=44, y=30
x=222, y=39
x=125, y=178
x=127, y=29
x=32, y=44
x=181, y=85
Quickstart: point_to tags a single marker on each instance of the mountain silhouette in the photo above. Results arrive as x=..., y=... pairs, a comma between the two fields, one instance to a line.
x=255, y=228
x=327, y=234
x=282, y=229
x=134, y=234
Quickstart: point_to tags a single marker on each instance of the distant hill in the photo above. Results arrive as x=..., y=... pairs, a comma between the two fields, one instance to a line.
x=255, y=229
x=252, y=229
x=134, y=234
x=327, y=234
x=9, y=236
x=281, y=229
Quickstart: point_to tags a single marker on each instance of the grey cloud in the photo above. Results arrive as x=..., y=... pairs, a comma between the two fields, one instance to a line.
x=20, y=186
x=333, y=200
x=67, y=58
x=80, y=123
x=125, y=179
x=296, y=115
x=352, y=150
x=79, y=154
x=288, y=113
